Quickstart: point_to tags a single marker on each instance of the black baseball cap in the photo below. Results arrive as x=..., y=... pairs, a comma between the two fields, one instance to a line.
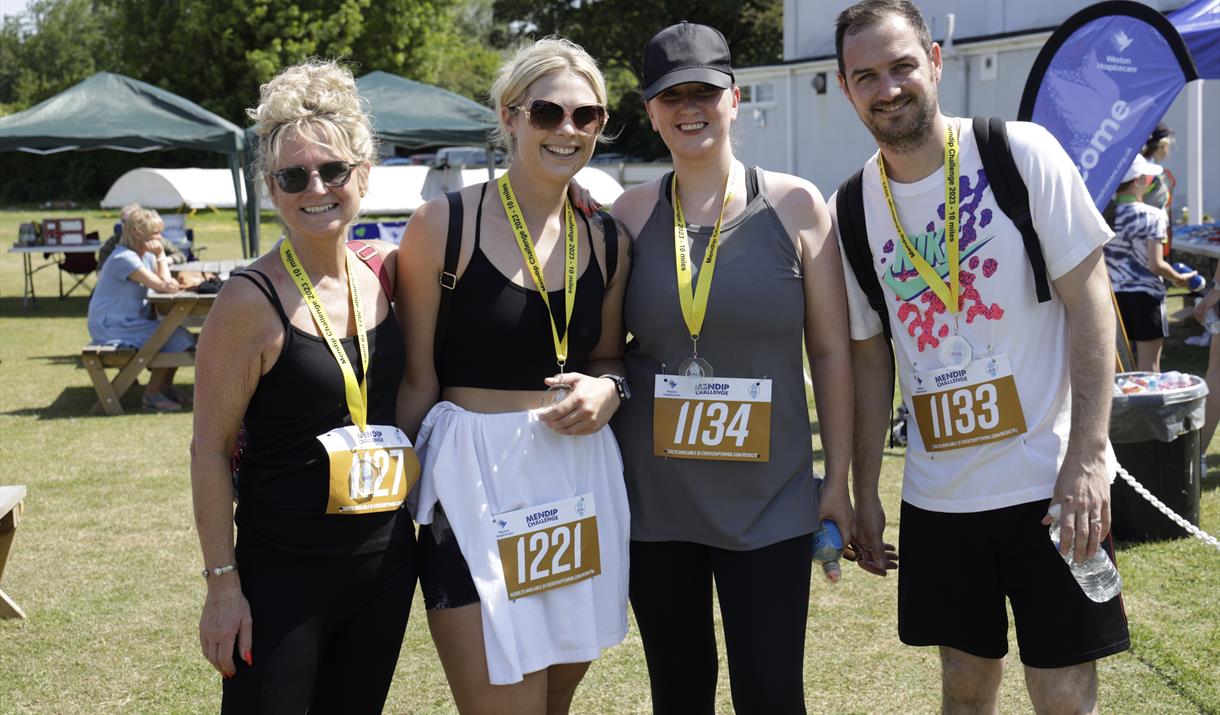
x=686, y=52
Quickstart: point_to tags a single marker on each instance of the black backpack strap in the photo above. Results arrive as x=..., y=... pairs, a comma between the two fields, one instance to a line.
x=853, y=235
x=1011, y=194
x=853, y=231
x=448, y=277
x=610, y=238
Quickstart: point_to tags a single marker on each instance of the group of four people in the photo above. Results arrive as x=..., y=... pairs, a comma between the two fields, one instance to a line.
x=468, y=379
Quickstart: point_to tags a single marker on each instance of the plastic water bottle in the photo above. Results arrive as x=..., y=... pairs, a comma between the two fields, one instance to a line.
x=1197, y=283
x=1097, y=576
x=827, y=548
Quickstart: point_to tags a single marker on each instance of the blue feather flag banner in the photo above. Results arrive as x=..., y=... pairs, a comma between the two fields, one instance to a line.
x=1102, y=82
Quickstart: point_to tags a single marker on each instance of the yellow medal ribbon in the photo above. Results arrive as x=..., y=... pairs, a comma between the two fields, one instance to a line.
x=357, y=395
x=948, y=294
x=526, y=243
x=694, y=302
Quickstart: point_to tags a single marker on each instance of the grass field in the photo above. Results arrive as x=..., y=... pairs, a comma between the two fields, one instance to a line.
x=106, y=561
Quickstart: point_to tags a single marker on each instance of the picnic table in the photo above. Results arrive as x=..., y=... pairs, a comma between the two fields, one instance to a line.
x=28, y=268
x=10, y=514
x=185, y=309
x=220, y=268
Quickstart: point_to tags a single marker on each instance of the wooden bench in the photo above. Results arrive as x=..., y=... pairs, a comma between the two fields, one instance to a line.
x=10, y=515
x=97, y=358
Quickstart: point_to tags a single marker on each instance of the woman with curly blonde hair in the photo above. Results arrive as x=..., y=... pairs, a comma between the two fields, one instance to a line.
x=306, y=612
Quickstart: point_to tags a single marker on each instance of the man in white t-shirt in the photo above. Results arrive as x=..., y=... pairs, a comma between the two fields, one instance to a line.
x=1010, y=398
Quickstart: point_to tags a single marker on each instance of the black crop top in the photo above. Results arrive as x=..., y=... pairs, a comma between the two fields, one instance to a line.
x=497, y=336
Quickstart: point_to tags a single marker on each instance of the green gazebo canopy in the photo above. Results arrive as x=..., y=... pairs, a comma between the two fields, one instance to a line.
x=110, y=111
x=415, y=116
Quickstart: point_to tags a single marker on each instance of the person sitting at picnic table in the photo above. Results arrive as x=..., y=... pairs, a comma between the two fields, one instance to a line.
x=119, y=313
x=175, y=256
x=303, y=350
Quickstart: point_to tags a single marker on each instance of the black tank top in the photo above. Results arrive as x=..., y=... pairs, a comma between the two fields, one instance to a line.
x=498, y=337
x=284, y=479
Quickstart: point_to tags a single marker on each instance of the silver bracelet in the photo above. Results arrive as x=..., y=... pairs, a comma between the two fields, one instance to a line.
x=219, y=570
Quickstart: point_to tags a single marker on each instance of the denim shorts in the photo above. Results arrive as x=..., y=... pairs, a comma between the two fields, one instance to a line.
x=444, y=576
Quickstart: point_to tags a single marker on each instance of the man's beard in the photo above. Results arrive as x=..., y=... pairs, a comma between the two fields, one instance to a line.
x=909, y=133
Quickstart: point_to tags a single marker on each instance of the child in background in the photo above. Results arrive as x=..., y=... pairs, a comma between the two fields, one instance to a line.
x=1137, y=265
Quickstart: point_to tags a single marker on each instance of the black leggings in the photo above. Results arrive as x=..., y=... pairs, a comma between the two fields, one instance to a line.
x=764, y=603
x=327, y=631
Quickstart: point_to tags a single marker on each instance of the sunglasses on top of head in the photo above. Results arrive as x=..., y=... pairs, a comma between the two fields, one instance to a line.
x=546, y=116
x=295, y=179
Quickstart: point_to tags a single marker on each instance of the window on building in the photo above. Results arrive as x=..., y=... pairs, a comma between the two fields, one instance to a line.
x=758, y=93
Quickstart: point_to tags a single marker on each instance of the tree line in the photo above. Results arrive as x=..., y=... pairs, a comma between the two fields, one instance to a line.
x=217, y=53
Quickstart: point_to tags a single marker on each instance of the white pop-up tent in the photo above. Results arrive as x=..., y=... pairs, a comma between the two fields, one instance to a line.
x=393, y=190
x=172, y=189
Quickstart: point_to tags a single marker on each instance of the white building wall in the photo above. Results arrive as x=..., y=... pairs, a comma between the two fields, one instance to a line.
x=809, y=24
x=827, y=142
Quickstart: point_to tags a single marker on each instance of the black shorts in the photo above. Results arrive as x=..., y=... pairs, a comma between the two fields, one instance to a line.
x=444, y=576
x=1144, y=316
x=956, y=570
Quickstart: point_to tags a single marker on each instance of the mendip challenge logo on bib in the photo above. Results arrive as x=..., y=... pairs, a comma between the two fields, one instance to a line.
x=718, y=389
x=541, y=517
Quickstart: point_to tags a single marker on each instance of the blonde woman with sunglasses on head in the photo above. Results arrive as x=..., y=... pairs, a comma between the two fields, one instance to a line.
x=306, y=612
x=523, y=512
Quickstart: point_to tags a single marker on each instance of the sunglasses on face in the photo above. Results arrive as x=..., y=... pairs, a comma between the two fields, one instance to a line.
x=546, y=116
x=295, y=179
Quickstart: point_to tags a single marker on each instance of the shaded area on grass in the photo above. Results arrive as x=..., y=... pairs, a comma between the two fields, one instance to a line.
x=74, y=403
x=45, y=306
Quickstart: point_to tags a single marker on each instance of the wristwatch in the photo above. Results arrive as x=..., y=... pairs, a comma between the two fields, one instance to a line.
x=219, y=570
x=620, y=386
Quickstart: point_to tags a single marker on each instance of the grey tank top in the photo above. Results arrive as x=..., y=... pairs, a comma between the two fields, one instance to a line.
x=754, y=328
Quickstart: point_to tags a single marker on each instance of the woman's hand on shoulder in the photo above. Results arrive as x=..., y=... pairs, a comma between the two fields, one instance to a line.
x=582, y=199
x=587, y=409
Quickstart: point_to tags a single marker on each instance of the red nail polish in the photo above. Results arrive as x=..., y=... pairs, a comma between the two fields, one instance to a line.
x=248, y=657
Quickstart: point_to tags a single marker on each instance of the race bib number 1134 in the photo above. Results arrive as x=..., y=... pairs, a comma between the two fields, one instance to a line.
x=722, y=418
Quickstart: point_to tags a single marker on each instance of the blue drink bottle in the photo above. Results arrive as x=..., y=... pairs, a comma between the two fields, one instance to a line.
x=827, y=548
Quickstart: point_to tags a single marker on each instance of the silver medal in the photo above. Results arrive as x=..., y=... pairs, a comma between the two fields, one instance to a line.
x=955, y=351
x=695, y=367
x=555, y=394
x=367, y=476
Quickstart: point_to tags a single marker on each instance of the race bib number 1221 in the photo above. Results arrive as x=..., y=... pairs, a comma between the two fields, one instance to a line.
x=548, y=546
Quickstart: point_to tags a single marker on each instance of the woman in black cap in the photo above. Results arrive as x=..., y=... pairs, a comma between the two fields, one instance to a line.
x=716, y=445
